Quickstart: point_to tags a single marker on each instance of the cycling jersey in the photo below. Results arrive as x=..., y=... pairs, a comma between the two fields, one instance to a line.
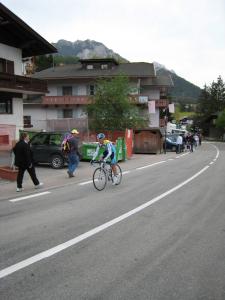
x=109, y=151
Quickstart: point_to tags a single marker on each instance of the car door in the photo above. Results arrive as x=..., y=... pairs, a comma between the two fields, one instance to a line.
x=40, y=147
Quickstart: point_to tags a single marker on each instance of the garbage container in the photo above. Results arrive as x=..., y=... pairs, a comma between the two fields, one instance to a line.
x=124, y=150
x=88, y=150
x=119, y=152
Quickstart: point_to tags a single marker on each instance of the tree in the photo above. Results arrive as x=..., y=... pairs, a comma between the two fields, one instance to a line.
x=220, y=122
x=43, y=62
x=211, y=101
x=212, y=98
x=111, y=108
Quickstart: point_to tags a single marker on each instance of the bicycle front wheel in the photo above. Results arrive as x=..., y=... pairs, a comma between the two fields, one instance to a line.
x=99, y=179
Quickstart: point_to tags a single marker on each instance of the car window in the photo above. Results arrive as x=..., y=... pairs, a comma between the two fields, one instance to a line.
x=40, y=139
x=55, y=139
x=172, y=138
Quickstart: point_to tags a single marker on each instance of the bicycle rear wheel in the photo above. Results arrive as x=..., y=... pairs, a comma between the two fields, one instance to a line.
x=119, y=174
x=99, y=179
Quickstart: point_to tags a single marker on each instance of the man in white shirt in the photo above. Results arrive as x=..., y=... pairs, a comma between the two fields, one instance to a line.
x=179, y=143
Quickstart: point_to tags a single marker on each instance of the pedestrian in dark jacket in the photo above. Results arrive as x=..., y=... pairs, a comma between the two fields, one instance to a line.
x=73, y=154
x=23, y=160
x=191, y=141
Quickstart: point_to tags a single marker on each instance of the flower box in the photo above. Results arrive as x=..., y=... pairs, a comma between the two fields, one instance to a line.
x=7, y=173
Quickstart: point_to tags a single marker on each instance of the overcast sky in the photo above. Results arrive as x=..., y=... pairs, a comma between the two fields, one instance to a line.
x=187, y=36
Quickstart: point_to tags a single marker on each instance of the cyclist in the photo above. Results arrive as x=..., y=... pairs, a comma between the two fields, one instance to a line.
x=109, y=152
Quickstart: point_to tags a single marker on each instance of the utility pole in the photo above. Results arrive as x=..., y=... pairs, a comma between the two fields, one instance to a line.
x=165, y=119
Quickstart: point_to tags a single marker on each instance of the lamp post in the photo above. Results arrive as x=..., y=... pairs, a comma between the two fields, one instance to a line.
x=165, y=119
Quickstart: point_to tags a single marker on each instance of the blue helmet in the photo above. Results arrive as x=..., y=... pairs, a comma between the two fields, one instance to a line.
x=100, y=136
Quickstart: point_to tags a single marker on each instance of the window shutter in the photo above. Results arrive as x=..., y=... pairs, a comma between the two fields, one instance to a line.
x=10, y=66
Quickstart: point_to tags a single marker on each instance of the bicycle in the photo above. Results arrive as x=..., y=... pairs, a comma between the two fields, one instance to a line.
x=104, y=173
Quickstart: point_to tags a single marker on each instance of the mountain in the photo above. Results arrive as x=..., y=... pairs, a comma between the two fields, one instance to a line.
x=86, y=49
x=183, y=91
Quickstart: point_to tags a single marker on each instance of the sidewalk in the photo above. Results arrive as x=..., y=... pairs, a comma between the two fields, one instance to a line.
x=55, y=178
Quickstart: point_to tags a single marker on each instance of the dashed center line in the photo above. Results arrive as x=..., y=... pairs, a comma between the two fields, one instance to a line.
x=29, y=196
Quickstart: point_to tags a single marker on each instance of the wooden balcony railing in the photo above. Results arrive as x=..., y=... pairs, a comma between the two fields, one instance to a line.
x=161, y=103
x=84, y=100
x=17, y=83
x=65, y=100
x=142, y=99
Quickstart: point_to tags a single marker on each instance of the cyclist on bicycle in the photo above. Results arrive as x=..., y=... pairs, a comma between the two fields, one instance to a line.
x=109, y=152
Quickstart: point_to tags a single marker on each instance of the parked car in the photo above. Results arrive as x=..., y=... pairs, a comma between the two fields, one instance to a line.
x=171, y=142
x=46, y=148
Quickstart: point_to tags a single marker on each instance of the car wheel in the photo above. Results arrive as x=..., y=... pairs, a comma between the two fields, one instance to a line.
x=57, y=162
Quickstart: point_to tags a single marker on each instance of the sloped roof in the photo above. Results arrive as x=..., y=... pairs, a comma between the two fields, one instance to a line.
x=16, y=33
x=160, y=80
x=163, y=80
x=139, y=69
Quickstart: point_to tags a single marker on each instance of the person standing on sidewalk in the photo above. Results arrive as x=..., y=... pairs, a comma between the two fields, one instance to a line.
x=73, y=153
x=23, y=160
x=179, y=144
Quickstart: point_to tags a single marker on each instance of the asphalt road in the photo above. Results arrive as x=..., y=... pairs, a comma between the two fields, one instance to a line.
x=159, y=235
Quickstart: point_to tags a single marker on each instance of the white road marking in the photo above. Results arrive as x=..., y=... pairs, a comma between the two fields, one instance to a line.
x=126, y=172
x=29, y=196
x=147, y=166
x=185, y=154
x=52, y=251
x=85, y=182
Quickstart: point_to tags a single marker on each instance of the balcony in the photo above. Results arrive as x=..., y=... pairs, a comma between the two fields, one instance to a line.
x=84, y=100
x=142, y=99
x=66, y=100
x=21, y=84
x=161, y=103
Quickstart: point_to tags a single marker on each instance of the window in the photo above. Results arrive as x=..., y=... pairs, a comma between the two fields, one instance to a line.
x=5, y=106
x=40, y=139
x=55, y=139
x=6, y=66
x=90, y=67
x=27, y=122
x=67, y=90
x=2, y=66
x=104, y=67
x=91, y=90
x=67, y=113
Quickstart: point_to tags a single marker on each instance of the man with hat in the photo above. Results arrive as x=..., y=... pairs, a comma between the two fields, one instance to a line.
x=73, y=154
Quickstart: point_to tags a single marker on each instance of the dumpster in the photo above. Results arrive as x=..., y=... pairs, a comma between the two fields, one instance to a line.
x=88, y=150
x=119, y=153
x=124, y=150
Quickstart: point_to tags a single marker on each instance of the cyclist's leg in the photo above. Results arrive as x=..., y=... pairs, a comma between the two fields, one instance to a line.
x=114, y=168
x=113, y=163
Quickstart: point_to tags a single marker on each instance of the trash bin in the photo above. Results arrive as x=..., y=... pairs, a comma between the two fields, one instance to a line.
x=119, y=152
x=124, y=150
x=88, y=150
